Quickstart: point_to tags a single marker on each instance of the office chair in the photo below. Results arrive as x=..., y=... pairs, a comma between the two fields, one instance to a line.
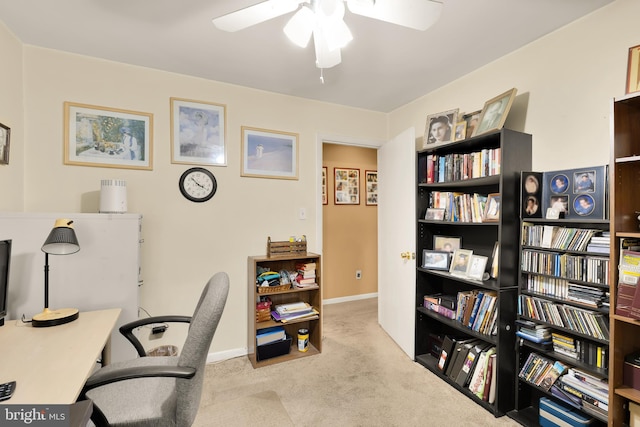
x=159, y=391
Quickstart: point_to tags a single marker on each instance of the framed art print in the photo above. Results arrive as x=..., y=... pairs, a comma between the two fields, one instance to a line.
x=325, y=198
x=269, y=153
x=439, y=128
x=371, y=181
x=5, y=139
x=477, y=266
x=446, y=243
x=494, y=113
x=492, y=208
x=198, y=133
x=460, y=262
x=633, y=70
x=346, y=184
x=107, y=137
x=435, y=260
x=434, y=214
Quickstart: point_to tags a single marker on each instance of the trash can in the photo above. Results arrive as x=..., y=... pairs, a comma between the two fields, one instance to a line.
x=163, y=350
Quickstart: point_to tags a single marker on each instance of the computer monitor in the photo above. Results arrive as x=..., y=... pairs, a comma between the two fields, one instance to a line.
x=5, y=262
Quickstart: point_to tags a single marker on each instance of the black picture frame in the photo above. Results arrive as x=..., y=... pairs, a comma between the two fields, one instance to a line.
x=436, y=260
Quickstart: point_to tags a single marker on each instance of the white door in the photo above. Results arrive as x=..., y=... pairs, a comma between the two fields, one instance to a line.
x=397, y=235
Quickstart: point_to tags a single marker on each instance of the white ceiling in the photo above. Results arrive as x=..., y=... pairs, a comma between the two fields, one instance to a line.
x=384, y=67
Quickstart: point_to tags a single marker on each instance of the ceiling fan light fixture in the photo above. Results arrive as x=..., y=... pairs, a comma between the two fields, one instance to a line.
x=325, y=58
x=300, y=27
x=337, y=34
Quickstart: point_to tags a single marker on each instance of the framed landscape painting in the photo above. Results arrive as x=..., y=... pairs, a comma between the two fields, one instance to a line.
x=269, y=153
x=107, y=137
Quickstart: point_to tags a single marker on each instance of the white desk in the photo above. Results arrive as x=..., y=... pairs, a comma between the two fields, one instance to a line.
x=50, y=365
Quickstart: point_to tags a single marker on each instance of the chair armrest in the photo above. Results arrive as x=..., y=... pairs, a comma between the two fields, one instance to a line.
x=127, y=329
x=98, y=380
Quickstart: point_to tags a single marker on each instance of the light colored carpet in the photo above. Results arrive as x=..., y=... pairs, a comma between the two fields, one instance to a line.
x=362, y=378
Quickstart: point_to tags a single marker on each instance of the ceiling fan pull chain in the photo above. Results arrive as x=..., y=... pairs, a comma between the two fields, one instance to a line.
x=322, y=75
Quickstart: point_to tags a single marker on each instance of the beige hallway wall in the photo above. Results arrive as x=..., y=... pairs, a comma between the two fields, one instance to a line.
x=350, y=232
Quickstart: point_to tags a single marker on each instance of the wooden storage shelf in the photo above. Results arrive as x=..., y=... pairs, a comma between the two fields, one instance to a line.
x=311, y=295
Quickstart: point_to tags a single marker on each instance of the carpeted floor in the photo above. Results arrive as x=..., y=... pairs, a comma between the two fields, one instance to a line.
x=362, y=378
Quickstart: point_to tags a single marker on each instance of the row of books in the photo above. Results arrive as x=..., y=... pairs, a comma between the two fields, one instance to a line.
x=459, y=207
x=592, y=269
x=559, y=288
x=459, y=166
x=628, y=296
x=294, y=311
x=571, y=385
x=591, y=353
x=576, y=319
x=556, y=237
x=601, y=244
x=534, y=332
x=305, y=275
x=475, y=309
x=472, y=364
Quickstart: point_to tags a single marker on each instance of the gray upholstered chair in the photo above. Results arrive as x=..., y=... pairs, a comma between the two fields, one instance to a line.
x=160, y=391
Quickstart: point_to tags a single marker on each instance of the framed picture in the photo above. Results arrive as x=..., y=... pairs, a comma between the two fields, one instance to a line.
x=472, y=122
x=347, y=186
x=269, y=153
x=633, y=70
x=371, y=181
x=5, y=139
x=494, y=113
x=492, y=208
x=439, y=128
x=198, y=133
x=559, y=183
x=495, y=260
x=460, y=131
x=435, y=260
x=107, y=137
x=584, y=205
x=460, y=262
x=584, y=181
x=325, y=199
x=446, y=243
x=434, y=214
x=477, y=266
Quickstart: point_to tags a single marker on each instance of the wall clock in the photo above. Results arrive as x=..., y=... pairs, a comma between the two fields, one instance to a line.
x=198, y=184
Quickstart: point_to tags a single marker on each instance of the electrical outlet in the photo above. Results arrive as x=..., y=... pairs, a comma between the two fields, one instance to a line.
x=358, y=274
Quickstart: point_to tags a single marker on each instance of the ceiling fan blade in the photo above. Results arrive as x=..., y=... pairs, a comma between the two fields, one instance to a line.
x=416, y=14
x=255, y=14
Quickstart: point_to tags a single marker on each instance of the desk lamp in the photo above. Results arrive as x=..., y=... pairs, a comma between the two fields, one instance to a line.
x=61, y=241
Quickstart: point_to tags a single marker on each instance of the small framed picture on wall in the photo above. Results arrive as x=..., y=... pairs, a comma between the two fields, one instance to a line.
x=371, y=182
x=347, y=186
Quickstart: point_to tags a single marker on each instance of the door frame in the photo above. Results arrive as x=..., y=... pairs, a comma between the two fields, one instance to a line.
x=322, y=138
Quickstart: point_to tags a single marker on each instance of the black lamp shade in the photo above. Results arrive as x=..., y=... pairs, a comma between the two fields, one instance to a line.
x=62, y=240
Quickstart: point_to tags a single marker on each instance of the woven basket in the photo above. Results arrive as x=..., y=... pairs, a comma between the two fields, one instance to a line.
x=263, y=315
x=273, y=289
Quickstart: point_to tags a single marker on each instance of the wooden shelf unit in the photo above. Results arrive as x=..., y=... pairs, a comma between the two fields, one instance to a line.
x=515, y=148
x=312, y=296
x=624, y=204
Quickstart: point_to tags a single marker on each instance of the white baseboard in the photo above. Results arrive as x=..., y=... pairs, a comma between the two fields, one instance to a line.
x=349, y=298
x=238, y=352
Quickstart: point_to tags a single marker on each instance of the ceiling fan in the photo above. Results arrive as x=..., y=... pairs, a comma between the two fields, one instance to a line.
x=324, y=20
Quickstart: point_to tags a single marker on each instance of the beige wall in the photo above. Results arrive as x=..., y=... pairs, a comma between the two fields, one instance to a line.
x=350, y=240
x=11, y=115
x=184, y=242
x=565, y=82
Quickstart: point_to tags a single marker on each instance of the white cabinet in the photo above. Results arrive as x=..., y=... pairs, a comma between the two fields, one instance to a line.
x=105, y=273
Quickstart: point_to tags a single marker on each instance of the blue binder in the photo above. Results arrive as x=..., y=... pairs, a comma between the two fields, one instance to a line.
x=554, y=414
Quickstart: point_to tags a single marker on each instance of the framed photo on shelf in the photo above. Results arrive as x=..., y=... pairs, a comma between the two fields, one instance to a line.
x=472, y=122
x=439, y=128
x=461, y=262
x=495, y=261
x=494, y=113
x=198, y=133
x=460, y=131
x=447, y=243
x=346, y=186
x=434, y=214
x=633, y=70
x=435, y=260
x=107, y=137
x=492, y=208
x=325, y=198
x=371, y=182
x=5, y=137
x=269, y=153
x=477, y=266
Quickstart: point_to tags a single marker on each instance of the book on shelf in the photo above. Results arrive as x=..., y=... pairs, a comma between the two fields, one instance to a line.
x=629, y=275
x=305, y=266
x=469, y=364
x=480, y=380
x=294, y=307
x=284, y=318
x=557, y=369
x=269, y=335
x=460, y=351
